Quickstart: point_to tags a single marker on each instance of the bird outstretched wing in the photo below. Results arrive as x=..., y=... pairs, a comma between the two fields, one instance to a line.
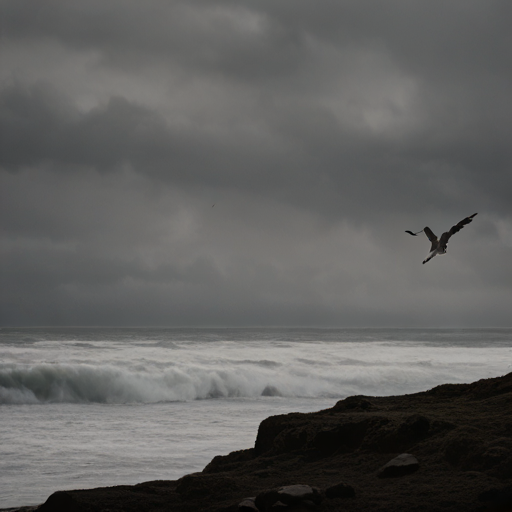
x=431, y=237
x=430, y=234
x=455, y=229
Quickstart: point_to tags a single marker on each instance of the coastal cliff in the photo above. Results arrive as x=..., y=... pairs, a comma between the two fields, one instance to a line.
x=446, y=449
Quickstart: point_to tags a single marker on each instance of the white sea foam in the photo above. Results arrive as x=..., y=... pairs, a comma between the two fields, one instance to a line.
x=149, y=373
x=81, y=383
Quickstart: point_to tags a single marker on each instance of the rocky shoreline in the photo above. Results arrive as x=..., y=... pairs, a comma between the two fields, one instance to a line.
x=446, y=449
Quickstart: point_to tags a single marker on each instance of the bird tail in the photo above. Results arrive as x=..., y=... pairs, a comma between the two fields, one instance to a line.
x=414, y=234
x=429, y=257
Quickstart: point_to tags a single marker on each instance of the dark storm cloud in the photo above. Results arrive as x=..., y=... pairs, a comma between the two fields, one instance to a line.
x=319, y=130
x=40, y=128
x=455, y=54
x=216, y=37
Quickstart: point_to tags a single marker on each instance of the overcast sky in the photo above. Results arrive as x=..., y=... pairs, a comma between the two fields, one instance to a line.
x=252, y=163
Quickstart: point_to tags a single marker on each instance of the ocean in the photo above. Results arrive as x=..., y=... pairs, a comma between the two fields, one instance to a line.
x=89, y=407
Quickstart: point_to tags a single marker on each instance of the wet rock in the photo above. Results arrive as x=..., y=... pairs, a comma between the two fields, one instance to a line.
x=404, y=464
x=290, y=496
x=341, y=490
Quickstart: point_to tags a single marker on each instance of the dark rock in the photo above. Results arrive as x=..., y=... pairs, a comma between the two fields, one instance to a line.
x=498, y=497
x=354, y=403
x=404, y=464
x=230, y=461
x=248, y=505
x=60, y=501
x=192, y=486
x=341, y=490
x=390, y=435
x=199, y=485
x=262, y=473
x=299, y=492
x=415, y=427
x=290, y=495
x=481, y=389
x=290, y=439
x=343, y=438
x=469, y=450
x=272, y=427
x=461, y=447
x=496, y=457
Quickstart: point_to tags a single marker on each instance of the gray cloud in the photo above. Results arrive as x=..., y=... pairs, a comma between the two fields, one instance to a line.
x=319, y=131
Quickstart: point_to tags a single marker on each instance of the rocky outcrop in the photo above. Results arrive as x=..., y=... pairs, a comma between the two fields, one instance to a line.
x=447, y=449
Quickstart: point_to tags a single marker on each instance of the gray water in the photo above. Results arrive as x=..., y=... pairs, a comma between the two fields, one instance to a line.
x=83, y=407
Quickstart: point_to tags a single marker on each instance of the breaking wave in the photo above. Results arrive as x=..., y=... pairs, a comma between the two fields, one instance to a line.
x=83, y=383
x=143, y=380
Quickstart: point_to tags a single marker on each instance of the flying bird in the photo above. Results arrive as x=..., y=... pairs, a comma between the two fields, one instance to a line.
x=439, y=245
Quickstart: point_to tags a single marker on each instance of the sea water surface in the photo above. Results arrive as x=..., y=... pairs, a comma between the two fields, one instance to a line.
x=89, y=407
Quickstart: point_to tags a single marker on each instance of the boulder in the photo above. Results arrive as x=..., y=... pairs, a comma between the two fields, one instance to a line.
x=404, y=464
x=289, y=496
x=248, y=505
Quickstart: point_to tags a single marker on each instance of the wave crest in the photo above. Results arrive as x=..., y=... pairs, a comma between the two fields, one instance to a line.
x=82, y=383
